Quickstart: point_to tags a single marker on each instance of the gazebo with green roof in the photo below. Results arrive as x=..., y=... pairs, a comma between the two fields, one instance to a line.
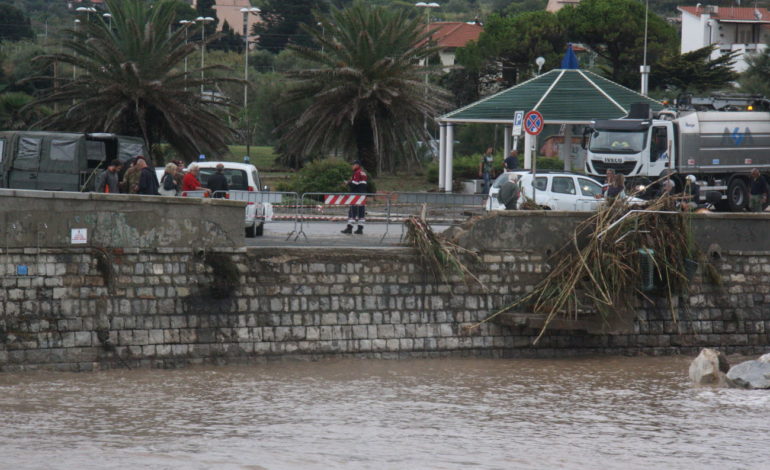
x=562, y=96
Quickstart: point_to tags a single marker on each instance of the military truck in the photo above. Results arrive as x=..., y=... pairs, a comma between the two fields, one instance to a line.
x=720, y=148
x=60, y=161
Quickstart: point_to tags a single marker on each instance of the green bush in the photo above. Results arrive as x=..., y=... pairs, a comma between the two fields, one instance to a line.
x=325, y=176
x=549, y=163
x=464, y=168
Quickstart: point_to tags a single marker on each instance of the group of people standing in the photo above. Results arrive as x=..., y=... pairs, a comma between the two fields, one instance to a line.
x=140, y=178
x=136, y=178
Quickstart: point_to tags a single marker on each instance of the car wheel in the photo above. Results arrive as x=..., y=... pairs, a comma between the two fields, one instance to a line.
x=251, y=231
x=260, y=230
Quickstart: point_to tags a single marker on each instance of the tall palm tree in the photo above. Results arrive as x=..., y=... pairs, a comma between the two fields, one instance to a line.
x=368, y=92
x=128, y=79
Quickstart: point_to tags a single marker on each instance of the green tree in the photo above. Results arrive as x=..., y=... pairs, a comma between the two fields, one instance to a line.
x=228, y=40
x=694, y=71
x=517, y=41
x=521, y=6
x=205, y=8
x=614, y=30
x=367, y=89
x=15, y=112
x=756, y=79
x=129, y=81
x=14, y=25
x=281, y=20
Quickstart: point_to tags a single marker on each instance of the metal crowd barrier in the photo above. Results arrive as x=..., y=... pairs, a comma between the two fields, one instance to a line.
x=276, y=206
x=333, y=207
x=438, y=207
x=381, y=208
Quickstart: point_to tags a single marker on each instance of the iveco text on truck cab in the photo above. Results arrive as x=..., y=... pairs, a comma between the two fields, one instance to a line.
x=719, y=148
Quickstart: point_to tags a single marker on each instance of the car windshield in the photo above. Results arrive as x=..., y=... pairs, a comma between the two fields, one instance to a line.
x=236, y=179
x=617, y=141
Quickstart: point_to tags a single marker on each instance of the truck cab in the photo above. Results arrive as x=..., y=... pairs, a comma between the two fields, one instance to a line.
x=637, y=148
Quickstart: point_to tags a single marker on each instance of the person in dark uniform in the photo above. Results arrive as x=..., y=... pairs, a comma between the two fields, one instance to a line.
x=217, y=182
x=511, y=161
x=357, y=213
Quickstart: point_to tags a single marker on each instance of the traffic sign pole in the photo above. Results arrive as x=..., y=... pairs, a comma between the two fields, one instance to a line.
x=533, y=125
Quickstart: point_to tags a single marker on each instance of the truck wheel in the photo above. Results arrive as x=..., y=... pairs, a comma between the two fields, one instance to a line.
x=260, y=230
x=737, y=195
x=250, y=231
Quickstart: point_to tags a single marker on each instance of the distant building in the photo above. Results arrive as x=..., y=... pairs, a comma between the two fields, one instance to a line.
x=556, y=5
x=230, y=11
x=450, y=35
x=745, y=30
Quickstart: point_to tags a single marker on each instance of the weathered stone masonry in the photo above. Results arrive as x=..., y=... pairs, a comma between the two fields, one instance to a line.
x=158, y=308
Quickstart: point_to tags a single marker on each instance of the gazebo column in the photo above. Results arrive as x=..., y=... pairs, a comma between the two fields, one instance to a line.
x=507, y=141
x=527, y=151
x=442, y=146
x=566, y=148
x=450, y=139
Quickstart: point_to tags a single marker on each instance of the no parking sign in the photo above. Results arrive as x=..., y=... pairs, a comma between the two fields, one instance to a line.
x=533, y=123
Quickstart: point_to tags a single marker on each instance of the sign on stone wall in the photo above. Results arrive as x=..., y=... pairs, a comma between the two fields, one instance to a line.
x=79, y=236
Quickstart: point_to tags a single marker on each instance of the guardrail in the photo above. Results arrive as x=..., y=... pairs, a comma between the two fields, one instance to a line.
x=381, y=208
x=334, y=207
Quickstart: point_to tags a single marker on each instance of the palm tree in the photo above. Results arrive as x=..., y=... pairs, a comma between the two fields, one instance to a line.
x=127, y=79
x=368, y=93
x=15, y=112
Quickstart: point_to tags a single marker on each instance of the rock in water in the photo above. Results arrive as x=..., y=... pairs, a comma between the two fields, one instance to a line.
x=750, y=374
x=764, y=358
x=709, y=368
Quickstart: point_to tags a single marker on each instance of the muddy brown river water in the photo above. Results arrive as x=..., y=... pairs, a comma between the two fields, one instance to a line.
x=597, y=413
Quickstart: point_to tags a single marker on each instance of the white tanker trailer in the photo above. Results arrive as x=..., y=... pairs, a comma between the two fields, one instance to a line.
x=720, y=148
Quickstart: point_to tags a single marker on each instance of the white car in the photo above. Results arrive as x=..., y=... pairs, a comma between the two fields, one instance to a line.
x=559, y=191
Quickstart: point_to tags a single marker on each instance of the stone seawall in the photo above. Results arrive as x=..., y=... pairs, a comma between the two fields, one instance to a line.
x=89, y=308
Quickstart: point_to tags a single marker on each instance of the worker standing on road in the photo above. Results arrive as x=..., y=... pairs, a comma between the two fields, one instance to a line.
x=358, y=184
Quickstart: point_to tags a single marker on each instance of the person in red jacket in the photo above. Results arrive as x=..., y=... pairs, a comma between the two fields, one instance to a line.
x=190, y=181
x=358, y=184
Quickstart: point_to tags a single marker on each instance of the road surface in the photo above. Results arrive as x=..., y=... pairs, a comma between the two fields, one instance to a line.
x=328, y=234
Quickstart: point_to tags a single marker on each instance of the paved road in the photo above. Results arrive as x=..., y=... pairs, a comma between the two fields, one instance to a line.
x=322, y=234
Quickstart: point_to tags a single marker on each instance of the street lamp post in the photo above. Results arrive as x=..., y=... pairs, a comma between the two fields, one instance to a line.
x=645, y=69
x=246, y=12
x=109, y=19
x=75, y=67
x=203, y=20
x=186, y=25
x=428, y=7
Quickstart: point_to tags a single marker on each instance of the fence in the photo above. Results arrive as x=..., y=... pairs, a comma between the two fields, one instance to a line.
x=381, y=208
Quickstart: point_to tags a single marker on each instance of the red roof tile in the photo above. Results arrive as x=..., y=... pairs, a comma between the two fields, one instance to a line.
x=728, y=13
x=455, y=33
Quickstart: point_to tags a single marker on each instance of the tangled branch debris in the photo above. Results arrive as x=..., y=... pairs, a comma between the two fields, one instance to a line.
x=604, y=265
x=442, y=257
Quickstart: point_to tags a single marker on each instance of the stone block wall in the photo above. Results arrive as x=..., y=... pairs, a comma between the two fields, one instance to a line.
x=85, y=309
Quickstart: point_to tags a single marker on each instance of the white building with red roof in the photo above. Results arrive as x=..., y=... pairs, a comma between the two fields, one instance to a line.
x=451, y=35
x=556, y=5
x=744, y=30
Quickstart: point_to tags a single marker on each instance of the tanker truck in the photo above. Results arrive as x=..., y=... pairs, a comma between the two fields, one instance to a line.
x=719, y=147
